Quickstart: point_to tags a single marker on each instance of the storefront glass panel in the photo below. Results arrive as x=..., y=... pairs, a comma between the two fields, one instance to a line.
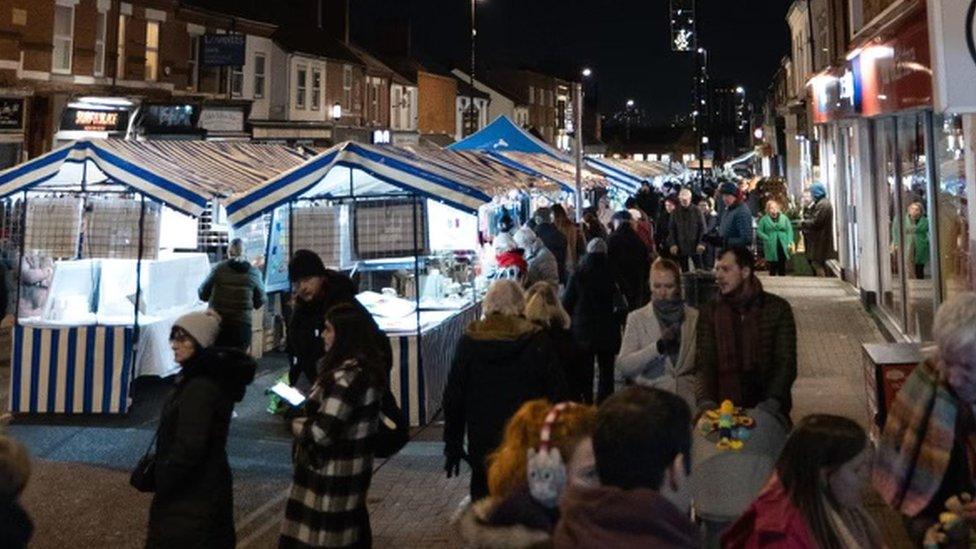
x=889, y=220
x=916, y=229
x=956, y=261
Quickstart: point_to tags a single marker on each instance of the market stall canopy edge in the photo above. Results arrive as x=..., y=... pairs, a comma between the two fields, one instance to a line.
x=406, y=170
x=184, y=175
x=504, y=135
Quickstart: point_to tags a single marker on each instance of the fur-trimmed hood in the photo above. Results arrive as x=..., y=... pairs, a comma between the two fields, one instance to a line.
x=498, y=327
x=475, y=532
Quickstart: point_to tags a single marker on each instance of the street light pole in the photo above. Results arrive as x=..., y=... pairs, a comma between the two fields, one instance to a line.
x=578, y=145
x=474, y=34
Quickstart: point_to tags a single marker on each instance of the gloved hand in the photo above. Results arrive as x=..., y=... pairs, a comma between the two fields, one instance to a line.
x=452, y=462
x=669, y=342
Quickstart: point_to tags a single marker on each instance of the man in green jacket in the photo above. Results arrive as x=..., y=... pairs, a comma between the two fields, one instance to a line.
x=233, y=288
x=746, y=341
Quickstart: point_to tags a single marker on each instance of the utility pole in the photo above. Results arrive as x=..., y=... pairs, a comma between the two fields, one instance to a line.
x=578, y=146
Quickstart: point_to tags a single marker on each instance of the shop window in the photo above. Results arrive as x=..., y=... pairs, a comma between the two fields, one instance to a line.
x=259, y=75
x=101, y=25
x=397, y=108
x=120, y=48
x=64, y=22
x=956, y=262
x=152, y=50
x=193, y=63
x=470, y=120
x=347, y=86
x=916, y=227
x=301, y=87
x=316, y=89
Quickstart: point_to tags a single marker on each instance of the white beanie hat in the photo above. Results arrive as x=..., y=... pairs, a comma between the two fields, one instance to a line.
x=524, y=237
x=503, y=243
x=202, y=326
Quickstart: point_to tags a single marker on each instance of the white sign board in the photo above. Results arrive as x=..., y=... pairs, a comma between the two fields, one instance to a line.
x=952, y=36
x=221, y=120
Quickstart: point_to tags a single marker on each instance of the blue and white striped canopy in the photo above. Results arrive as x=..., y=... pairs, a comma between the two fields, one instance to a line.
x=184, y=175
x=629, y=174
x=376, y=169
x=559, y=171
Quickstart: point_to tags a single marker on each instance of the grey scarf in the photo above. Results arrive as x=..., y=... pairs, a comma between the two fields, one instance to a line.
x=669, y=313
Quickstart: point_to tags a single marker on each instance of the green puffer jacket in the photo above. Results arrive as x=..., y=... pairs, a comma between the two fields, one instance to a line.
x=233, y=289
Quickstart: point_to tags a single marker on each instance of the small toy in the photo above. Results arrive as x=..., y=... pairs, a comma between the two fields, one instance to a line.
x=952, y=526
x=731, y=424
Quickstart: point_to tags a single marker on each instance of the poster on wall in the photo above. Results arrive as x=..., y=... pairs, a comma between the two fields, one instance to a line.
x=276, y=265
x=11, y=114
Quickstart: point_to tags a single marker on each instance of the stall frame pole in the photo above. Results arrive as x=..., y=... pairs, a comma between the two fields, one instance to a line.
x=138, y=299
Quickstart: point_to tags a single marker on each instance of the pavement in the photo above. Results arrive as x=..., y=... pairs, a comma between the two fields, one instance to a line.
x=79, y=494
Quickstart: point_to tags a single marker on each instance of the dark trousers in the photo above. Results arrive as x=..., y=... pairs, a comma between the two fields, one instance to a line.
x=584, y=383
x=479, y=479
x=919, y=271
x=234, y=335
x=696, y=260
x=778, y=267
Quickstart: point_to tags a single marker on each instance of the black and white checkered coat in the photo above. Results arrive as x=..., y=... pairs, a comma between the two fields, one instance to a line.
x=327, y=505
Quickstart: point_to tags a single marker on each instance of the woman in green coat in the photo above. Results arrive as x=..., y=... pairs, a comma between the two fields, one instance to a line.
x=776, y=234
x=917, y=237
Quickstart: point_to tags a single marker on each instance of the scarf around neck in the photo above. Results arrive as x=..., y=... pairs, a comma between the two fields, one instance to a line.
x=670, y=313
x=737, y=343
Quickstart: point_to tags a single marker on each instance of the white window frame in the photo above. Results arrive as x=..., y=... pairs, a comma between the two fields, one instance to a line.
x=316, y=97
x=65, y=40
x=120, y=47
x=301, y=88
x=531, y=95
x=152, y=52
x=236, y=76
x=101, y=19
x=347, y=87
x=260, y=78
x=193, y=63
x=397, y=109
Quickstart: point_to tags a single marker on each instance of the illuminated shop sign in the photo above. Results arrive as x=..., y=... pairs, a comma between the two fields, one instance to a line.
x=92, y=120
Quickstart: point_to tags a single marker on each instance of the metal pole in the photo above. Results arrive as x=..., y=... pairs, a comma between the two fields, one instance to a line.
x=142, y=223
x=474, y=34
x=700, y=109
x=20, y=259
x=578, y=142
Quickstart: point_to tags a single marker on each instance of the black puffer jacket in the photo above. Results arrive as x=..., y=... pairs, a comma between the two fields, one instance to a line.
x=556, y=242
x=304, y=344
x=589, y=300
x=193, y=505
x=500, y=363
x=630, y=265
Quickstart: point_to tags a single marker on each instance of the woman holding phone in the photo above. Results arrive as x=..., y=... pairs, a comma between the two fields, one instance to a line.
x=334, y=439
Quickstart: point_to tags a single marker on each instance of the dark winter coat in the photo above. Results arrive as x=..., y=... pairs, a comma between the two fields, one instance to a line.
x=566, y=349
x=776, y=356
x=662, y=232
x=687, y=230
x=193, y=505
x=629, y=265
x=16, y=527
x=500, y=363
x=554, y=239
x=735, y=226
x=304, y=343
x=648, y=201
x=233, y=289
x=589, y=301
x=818, y=231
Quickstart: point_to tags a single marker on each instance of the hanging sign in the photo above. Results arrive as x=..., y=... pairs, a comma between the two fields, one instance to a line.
x=223, y=50
x=952, y=34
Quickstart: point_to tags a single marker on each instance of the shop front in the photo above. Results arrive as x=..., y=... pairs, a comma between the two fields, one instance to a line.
x=896, y=170
x=12, y=110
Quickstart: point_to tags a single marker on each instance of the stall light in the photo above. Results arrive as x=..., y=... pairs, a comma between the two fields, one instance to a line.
x=107, y=101
x=853, y=53
x=872, y=53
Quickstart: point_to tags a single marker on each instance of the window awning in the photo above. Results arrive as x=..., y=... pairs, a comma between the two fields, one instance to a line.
x=461, y=182
x=184, y=175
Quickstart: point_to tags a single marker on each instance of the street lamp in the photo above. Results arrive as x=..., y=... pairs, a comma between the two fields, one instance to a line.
x=740, y=90
x=474, y=35
x=630, y=103
x=578, y=141
x=587, y=72
x=336, y=111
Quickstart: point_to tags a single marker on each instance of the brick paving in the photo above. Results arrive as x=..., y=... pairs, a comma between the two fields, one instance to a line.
x=411, y=501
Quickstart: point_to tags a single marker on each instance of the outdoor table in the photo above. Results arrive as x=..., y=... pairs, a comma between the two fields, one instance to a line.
x=724, y=482
x=420, y=370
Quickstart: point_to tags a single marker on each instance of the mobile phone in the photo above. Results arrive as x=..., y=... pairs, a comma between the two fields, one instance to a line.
x=290, y=394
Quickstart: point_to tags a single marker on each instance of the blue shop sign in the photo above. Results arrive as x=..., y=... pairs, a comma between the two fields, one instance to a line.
x=223, y=50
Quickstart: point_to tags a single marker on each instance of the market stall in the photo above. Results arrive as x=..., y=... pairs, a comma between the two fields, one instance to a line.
x=628, y=175
x=404, y=222
x=96, y=227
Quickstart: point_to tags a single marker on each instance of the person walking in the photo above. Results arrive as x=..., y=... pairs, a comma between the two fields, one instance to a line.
x=735, y=222
x=658, y=348
x=645, y=231
x=648, y=200
x=316, y=290
x=552, y=238
x=510, y=261
x=193, y=503
x=501, y=362
x=589, y=298
x=333, y=445
x=927, y=451
x=917, y=239
x=662, y=226
x=575, y=245
x=592, y=227
x=814, y=497
x=542, y=264
x=818, y=225
x=628, y=260
x=686, y=233
x=542, y=308
x=775, y=233
x=233, y=288
x=745, y=347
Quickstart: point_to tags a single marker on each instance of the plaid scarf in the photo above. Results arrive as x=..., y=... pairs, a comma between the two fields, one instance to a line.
x=915, y=447
x=737, y=342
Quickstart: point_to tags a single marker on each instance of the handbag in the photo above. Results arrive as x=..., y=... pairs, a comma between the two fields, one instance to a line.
x=394, y=430
x=143, y=476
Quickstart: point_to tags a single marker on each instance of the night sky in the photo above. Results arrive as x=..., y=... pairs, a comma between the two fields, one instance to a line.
x=626, y=42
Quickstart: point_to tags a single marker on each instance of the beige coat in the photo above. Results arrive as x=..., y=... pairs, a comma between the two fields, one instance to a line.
x=640, y=363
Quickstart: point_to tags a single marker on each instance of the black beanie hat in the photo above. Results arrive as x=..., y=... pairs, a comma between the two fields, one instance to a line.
x=303, y=264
